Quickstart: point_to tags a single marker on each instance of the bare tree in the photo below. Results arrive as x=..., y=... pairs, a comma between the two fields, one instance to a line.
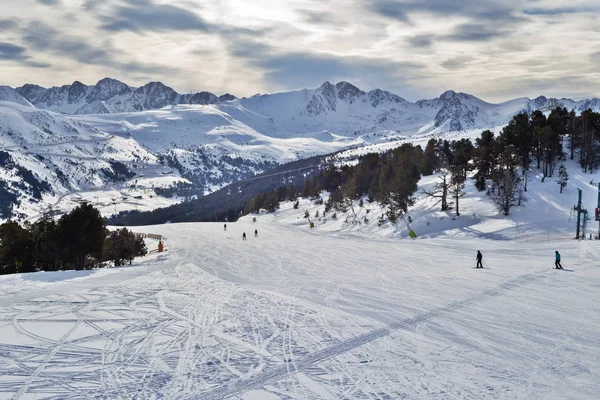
x=441, y=189
x=508, y=190
x=458, y=184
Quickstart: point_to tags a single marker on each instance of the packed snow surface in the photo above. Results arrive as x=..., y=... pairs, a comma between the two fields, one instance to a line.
x=300, y=314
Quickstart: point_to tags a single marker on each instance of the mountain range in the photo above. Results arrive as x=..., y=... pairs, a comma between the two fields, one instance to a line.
x=451, y=110
x=78, y=138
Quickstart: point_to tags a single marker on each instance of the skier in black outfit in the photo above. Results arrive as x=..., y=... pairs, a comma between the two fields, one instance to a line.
x=557, y=263
x=256, y=233
x=479, y=258
x=244, y=236
x=225, y=227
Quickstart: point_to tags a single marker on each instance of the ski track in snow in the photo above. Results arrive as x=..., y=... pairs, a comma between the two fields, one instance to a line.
x=298, y=315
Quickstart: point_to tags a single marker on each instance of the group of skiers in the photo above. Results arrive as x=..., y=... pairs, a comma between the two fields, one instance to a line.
x=479, y=256
x=557, y=263
x=243, y=234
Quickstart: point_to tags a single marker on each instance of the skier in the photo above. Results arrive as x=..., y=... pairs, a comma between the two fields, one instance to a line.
x=479, y=258
x=256, y=233
x=244, y=236
x=557, y=261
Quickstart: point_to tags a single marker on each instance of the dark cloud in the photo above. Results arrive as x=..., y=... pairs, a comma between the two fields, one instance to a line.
x=489, y=10
x=13, y=52
x=391, y=9
x=8, y=24
x=319, y=17
x=473, y=32
x=561, y=10
x=421, y=40
x=145, y=15
x=549, y=11
x=91, y=5
x=50, y=2
x=456, y=63
x=486, y=19
x=9, y=51
x=43, y=38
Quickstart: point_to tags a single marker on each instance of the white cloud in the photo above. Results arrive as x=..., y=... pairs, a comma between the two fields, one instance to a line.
x=414, y=48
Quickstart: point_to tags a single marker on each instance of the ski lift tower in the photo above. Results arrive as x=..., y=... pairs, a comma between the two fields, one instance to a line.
x=580, y=210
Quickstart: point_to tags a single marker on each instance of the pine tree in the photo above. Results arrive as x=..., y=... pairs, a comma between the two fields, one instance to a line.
x=16, y=249
x=123, y=245
x=81, y=236
x=271, y=202
x=484, y=156
x=430, y=158
x=563, y=177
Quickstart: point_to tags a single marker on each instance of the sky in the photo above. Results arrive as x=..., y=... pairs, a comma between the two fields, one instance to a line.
x=496, y=50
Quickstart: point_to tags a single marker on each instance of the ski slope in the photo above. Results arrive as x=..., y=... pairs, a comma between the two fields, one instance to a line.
x=300, y=314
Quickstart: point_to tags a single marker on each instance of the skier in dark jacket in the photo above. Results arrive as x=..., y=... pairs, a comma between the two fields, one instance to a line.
x=479, y=258
x=244, y=236
x=256, y=233
x=225, y=227
x=557, y=263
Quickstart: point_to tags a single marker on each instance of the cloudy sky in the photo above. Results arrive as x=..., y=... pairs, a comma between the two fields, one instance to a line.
x=415, y=48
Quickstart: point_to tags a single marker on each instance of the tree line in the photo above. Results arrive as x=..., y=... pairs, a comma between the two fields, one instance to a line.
x=390, y=178
x=499, y=164
x=78, y=240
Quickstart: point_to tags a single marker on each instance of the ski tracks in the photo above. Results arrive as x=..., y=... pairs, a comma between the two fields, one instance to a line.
x=273, y=375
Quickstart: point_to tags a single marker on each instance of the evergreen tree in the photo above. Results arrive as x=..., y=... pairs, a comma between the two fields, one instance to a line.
x=271, y=203
x=46, y=250
x=81, y=236
x=16, y=249
x=484, y=156
x=563, y=177
x=123, y=245
x=430, y=158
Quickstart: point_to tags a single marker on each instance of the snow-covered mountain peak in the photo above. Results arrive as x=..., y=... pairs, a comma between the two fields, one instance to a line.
x=11, y=95
x=77, y=91
x=347, y=91
x=31, y=92
x=107, y=88
x=378, y=96
x=227, y=97
x=203, y=98
x=447, y=95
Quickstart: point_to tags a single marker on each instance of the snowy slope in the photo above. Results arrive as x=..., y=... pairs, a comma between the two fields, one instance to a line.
x=9, y=94
x=546, y=214
x=305, y=315
x=46, y=156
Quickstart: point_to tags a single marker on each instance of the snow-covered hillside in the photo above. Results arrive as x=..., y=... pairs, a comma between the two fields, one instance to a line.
x=49, y=159
x=304, y=314
x=546, y=214
x=211, y=141
x=9, y=94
